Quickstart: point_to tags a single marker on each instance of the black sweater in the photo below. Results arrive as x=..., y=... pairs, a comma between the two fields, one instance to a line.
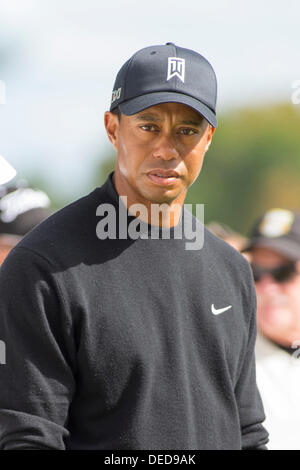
x=112, y=344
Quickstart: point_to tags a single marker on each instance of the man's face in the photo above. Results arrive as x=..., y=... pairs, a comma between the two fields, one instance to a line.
x=278, y=304
x=169, y=136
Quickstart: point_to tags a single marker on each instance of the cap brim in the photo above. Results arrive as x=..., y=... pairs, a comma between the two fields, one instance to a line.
x=7, y=172
x=151, y=99
x=286, y=248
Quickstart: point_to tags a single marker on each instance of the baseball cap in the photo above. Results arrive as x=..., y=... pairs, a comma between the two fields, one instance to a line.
x=22, y=208
x=166, y=73
x=7, y=172
x=279, y=230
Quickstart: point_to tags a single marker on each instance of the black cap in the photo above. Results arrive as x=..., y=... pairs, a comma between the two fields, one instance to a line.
x=163, y=74
x=279, y=230
x=22, y=208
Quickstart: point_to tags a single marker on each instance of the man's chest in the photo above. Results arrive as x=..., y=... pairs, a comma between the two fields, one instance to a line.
x=163, y=317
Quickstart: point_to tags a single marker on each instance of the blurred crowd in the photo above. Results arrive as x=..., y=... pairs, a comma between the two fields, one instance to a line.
x=273, y=252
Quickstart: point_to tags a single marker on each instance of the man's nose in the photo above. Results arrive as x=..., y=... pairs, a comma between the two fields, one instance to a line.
x=165, y=147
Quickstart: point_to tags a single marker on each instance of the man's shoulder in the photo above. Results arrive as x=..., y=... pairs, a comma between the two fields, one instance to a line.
x=216, y=251
x=223, y=252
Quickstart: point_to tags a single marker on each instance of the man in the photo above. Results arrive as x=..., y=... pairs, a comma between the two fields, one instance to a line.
x=21, y=209
x=119, y=341
x=7, y=172
x=275, y=252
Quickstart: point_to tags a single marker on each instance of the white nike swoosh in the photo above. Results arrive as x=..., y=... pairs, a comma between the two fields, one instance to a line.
x=216, y=311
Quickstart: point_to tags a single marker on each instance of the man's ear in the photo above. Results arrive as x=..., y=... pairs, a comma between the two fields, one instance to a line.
x=210, y=133
x=298, y=266
x=111, y=123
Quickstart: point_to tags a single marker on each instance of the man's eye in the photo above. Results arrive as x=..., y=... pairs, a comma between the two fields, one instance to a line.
x=149, y=127
x=188, y=131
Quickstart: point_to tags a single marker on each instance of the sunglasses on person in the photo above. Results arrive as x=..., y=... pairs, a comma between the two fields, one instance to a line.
x=281, y=273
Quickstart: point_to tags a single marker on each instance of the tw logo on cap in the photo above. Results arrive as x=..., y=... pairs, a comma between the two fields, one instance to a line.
x=176, y=68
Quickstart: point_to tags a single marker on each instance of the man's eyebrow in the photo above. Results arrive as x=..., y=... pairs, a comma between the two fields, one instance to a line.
x=148, y=117
x=155, y=118
x=190, y=122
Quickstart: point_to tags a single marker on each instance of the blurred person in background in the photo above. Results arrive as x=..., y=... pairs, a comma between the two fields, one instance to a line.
x=21, y=209
x=275, y=251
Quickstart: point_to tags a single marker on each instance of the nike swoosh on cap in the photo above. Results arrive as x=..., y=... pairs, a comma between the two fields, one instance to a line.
x=217, y=311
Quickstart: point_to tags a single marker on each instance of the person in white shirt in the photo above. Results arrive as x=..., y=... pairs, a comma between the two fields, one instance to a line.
x=275, y=260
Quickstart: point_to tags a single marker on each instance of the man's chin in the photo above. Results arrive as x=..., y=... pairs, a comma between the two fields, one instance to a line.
x=161, y=195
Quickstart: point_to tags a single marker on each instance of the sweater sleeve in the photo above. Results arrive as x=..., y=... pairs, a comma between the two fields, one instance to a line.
x=37, y=366
x=251, y=411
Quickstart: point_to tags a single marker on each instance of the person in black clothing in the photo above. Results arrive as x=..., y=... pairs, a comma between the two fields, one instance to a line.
x=119, y=333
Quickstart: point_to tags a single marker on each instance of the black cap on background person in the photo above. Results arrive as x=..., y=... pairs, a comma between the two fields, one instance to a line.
x=21, y=209
x=7, y=172
x=277, y=229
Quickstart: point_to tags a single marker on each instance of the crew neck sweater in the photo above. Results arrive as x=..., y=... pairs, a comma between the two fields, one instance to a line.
x=126, y=343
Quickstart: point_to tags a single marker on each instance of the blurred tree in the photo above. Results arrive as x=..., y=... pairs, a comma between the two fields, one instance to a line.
x=253, y=164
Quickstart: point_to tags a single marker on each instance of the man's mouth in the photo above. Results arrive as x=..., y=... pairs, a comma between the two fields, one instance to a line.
x=163, y=176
